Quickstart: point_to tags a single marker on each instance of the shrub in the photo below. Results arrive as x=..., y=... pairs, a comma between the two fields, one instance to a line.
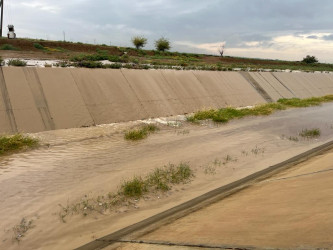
x=102, y=51
x=89, y=64
x=113, y=66
x=17, y=62
x=8, y=47
x=89, y=57
x=310, y=59
x=124, y=58
x=114, y=58
x=162, y=44
x=38, y=46
x=135, y=61
x=63, y=64
x=134, y=188
x=139, y=41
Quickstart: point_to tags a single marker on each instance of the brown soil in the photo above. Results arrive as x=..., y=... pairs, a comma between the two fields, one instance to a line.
x=27, y=50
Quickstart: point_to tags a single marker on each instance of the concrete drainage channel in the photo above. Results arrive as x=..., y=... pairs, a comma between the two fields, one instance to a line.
x=129, y=233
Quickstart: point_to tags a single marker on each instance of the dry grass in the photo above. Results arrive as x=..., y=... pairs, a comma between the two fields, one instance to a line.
x=21, y=229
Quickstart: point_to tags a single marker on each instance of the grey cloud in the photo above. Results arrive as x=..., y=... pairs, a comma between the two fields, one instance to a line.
x=312, y=37
x=328, y=37
x=196, y=21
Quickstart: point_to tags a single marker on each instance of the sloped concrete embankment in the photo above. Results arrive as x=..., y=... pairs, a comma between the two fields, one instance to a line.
x=38, y=99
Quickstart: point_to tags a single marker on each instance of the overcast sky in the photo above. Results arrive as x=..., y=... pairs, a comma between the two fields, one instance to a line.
x=276, y=29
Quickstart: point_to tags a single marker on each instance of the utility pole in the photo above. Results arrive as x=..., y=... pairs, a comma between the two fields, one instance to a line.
x=1, y=27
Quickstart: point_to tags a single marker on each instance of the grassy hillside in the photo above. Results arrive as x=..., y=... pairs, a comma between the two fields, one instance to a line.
x=87, y=55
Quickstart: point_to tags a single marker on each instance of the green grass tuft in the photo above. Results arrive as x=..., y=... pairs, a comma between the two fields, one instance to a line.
x=38, y=46
x=130, y=191
x=160, y=179
x=10, y=143
x=8, y=47
x=310, y=133
x=135, y=187
x=266, y=109
x=226, y=114
x=296, y=102
x=17, y=62
x=140, y=133
x=136, y=134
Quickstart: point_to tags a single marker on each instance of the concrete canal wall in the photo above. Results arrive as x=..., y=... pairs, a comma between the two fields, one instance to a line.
x=38, y=99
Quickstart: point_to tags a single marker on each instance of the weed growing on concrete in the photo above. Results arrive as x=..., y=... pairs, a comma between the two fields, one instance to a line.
x=131, y=190
x=135, y=187
x=228, y=158
x=244, y=153
x=265, y=109
x=163, y=178
x=293, y=138
x=63, y=64
x=217, y=162
x=183, y=132
x=310, y=133
x=175, y=124
x=9, y=143
x=257, y=150
x=314, y=101
x=140, y=133
x=21, y=229
x=210, y=170
x=192, y=119
x=17, y=62
x=226, y=114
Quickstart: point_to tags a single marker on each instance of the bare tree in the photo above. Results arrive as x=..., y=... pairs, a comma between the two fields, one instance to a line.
x=221, y=49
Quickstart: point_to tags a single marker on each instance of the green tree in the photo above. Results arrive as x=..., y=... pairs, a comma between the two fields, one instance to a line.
x=139, y=41
x=310, y=59
x=162, y=44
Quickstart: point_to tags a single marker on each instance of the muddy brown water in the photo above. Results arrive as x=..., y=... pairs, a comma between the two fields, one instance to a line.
x=93, y=161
